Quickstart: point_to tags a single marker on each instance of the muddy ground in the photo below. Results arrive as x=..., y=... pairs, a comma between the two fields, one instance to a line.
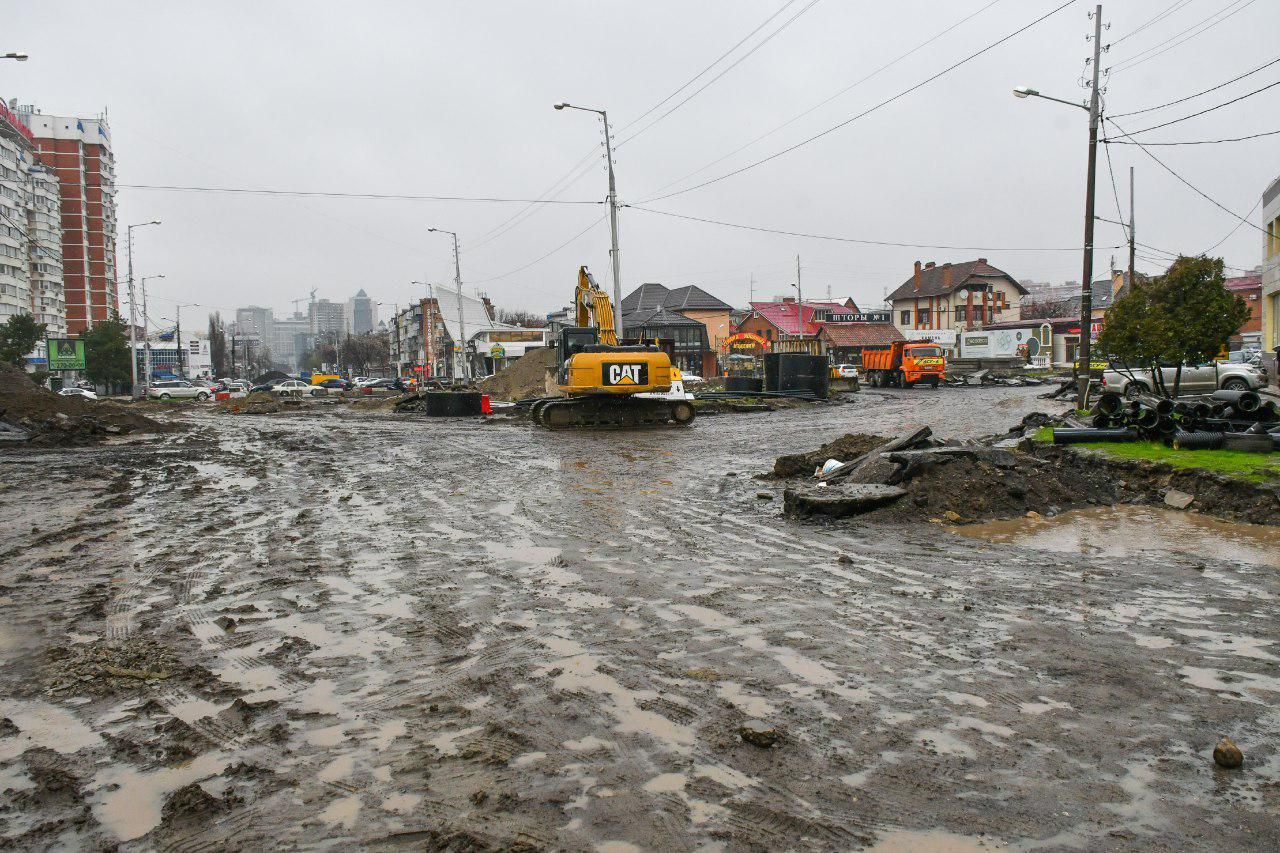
x=385, y=631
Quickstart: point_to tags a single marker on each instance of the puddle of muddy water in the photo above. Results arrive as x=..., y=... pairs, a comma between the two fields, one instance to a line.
x=1130, y=531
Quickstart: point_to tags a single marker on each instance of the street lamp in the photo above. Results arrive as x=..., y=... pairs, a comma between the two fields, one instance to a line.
x=1094, y=108
x=146, y=338
x=613, y=213
x=133, y=314
x=20, y=57
x=463, y=370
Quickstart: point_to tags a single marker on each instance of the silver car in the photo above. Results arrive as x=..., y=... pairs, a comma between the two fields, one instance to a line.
x=1196, y=379
x=178, y=389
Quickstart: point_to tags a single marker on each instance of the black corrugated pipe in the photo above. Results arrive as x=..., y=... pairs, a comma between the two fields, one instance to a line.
x=1197, y=440
x=1110, y=403
x=1145, y=418
x=1245, y=401
x=1167, y=425
x=1080, y=436
x=1249, y=443
x=1162, y=405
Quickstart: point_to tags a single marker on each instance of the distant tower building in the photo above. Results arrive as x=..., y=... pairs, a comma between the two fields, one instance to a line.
x=326, y=316
x=78, y=150
x=30, y=230
x=361, y=314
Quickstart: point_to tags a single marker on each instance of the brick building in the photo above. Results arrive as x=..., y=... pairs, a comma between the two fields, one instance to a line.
x=78, y=150
x=1248, y=288
x=942, y=300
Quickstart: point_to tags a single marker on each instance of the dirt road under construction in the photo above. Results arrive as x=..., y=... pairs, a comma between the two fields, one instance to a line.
x=353, y=628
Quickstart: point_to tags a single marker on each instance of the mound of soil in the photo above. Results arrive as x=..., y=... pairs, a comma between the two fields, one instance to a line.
x=106, y=667
x=49, y=418
x=843, y=449
x=257, y=403
x=524, y=378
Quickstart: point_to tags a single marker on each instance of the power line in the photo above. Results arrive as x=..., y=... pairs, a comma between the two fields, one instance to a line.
x=577, y=172
x=823, y=103
x=859, y=241
x=725, y=71
x=713, y=64
x=1232, y=232
x=1208, y=110
x=1196, y=141
x=318, y=194
x=1198, y=94
x=1192, y=186
x=1178, y=4
x=1134, y=60
x=544, y=257
x=1114, y=191
x=868, y=111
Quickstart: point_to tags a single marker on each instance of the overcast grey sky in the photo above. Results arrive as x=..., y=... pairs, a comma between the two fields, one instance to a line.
x=434, y=98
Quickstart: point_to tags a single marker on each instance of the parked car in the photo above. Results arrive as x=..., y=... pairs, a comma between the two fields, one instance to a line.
x=239, y=385
x=379, y=383
x=79, y=392
x=1196, y=378
x=265, y=387
x=335, y=385
x=179, y=389
x=690, y=378
x=296, y=388
x=844, y=371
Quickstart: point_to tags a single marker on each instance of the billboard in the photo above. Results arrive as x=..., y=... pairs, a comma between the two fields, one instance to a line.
x=995, y=343
x=65, y=353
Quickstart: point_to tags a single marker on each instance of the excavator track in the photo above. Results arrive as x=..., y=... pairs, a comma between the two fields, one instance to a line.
x=610, y=412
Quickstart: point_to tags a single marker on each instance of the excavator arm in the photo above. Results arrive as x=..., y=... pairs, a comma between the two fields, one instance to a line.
x=593, y=308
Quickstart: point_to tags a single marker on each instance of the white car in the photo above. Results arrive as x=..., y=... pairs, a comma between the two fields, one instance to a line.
x=690, y=378
x=846, y=371
x=78, y=392
x=178, y=389
x=296, y=388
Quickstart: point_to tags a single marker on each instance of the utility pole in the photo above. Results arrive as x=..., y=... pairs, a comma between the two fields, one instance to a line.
x=751, y=292
x=800, y=297
x=178, y=333
x=146, y=338
x=133, y=322
x=613, y=228
x=1086, y=284
x=1132, y=236
x=613, y=215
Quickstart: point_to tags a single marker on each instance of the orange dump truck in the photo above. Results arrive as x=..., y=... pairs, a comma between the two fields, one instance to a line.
x=904, y=364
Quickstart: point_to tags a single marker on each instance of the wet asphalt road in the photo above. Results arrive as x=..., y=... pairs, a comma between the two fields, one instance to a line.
x=446, y=635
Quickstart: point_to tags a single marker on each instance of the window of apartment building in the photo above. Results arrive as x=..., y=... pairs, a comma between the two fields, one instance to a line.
x=962, y=313
x=906, y=317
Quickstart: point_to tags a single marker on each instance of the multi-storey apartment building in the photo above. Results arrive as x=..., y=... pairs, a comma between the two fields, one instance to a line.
x=78, y=151
x=30, y=229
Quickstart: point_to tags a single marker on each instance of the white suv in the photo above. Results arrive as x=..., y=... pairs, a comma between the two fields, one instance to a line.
x=178, y=389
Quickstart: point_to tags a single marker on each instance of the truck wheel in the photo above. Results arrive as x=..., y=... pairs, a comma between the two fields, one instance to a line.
x=906, y=384
x=1235, y=384
x=933, y=382
x=1134, y=390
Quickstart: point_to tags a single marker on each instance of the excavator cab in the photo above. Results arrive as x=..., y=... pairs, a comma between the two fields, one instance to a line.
x=573, y=340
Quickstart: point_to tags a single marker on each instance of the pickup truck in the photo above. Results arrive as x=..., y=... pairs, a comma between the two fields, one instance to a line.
x=1196, y=378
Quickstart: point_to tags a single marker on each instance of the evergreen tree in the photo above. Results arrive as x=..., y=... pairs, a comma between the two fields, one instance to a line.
x=106, y=354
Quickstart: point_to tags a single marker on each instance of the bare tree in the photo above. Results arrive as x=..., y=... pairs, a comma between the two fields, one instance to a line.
x=1049, y=309
x=522, y=318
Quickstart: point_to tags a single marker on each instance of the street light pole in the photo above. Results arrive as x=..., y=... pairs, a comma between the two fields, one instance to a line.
x=1094, y=107
x=20, y=57
x=146, y=339
x=133, y=314
x=613, y=215
x=462, y=366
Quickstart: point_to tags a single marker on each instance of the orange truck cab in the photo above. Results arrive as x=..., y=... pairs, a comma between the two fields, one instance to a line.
x=903, y=364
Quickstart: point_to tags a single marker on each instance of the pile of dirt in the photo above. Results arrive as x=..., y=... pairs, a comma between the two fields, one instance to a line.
x=524, y=378
x=36, y=415
x=843, y=449
x=257, y=403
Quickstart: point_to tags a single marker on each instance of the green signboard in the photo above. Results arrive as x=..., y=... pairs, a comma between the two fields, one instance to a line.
x=65, y=353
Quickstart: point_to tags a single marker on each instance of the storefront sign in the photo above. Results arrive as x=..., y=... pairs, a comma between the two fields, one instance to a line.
x=862, y=317
x=745, y=343
x=497, y=351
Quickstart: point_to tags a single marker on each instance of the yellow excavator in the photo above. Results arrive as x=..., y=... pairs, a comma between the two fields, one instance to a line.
x=602, y=381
